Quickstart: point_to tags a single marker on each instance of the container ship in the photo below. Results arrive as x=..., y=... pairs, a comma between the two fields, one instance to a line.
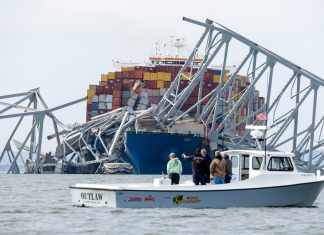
x=147, y=150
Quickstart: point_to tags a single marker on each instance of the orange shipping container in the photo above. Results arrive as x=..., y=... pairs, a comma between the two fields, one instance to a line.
x=111, y=76
x=160, y=84
x=116, y=94
x=216, y=78
x=91, y=92
x=104, y=77
x=160, y=76
x=147, y=76
x=126, y=69
x=154, y=76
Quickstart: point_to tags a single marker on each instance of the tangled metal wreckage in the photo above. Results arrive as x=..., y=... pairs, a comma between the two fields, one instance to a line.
x=294, y=122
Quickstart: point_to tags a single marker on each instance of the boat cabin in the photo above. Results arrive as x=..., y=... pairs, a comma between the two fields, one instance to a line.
x=250, y=163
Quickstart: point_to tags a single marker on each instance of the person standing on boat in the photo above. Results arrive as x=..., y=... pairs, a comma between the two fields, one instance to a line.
x=207, y=158
x=217, y=169
x=174, y=168
x=228, y=169
x=200, y=167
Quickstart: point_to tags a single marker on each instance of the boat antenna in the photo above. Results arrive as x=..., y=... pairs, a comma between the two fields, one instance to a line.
x=266, y=123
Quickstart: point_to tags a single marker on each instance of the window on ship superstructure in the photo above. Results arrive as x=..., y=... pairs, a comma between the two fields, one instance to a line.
x=280, y=164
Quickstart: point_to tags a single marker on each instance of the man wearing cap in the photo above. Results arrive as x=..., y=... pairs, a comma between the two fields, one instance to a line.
x=174, y=168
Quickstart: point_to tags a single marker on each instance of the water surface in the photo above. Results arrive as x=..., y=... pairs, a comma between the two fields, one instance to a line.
x=41, y=204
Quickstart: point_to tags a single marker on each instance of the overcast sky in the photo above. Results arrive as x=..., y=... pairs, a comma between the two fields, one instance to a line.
x=62, y=46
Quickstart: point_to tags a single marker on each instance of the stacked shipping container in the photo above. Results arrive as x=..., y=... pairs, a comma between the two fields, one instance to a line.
x=114, y=88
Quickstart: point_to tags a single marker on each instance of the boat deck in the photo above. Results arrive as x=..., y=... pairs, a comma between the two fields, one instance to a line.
x=262, y=181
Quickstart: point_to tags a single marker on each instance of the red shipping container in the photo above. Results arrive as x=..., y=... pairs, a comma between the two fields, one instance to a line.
x=205, y=91
x=167, y=84
x=150, y=84
x=184, y=83
x=138, y=75
x=103, y=83
x=195, y=91
x=127, y=84
x=174, y=75
x=192, y=100
x=108, y=90
x=208, y=77
x=116, y=106
x=117, y=86
x=100, y=90
x=185, y=107
x=89, y=107
x=205, y=101
x=116, y=94
x=160, y=68
x=110, y=82
x=118, y=75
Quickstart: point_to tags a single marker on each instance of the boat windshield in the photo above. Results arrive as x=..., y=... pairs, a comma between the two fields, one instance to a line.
x=234, y=160
x=256, y=163
x=280, y=164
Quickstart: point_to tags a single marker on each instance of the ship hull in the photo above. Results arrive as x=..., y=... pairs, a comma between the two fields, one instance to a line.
x=148, y=151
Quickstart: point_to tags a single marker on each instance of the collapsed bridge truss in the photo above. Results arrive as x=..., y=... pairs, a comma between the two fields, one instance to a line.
x=290, y=110
x=291, y=93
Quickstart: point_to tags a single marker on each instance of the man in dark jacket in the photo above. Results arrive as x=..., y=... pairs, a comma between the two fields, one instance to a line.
x=207, y=158
x=200, y=167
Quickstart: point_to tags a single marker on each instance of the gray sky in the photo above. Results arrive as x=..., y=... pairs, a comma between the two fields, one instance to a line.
x=62, y=46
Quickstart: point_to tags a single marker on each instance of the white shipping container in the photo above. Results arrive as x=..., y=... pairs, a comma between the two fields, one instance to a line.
x=156, y=92
x=102, y=105
x=109, y=105
x=95, y=99
x=126, y=93
x=109, y=98
x=102, y=98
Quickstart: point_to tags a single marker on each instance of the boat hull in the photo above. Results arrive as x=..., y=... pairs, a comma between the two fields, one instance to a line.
x=303, y=195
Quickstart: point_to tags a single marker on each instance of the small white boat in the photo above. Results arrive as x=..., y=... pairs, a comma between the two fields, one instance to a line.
x=260, y=179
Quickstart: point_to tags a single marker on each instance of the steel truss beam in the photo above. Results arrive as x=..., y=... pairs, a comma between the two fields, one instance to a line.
x=38, y=109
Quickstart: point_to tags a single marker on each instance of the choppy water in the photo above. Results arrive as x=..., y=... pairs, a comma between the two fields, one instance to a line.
x=41, y=204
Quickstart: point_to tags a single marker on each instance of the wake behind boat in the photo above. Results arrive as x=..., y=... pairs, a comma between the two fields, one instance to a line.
x=260, y=179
